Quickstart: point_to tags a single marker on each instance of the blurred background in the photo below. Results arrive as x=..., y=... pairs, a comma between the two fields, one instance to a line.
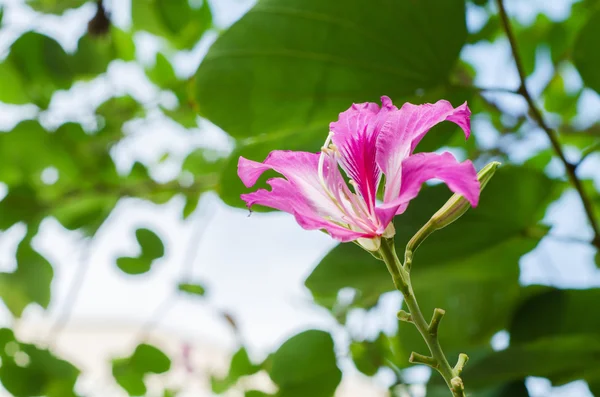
x=129, y=265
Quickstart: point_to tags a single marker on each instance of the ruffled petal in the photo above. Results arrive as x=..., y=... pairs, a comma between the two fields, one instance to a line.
x=404, y=129
x=461, y=178
x=355, y=135
x=338, y=232
x=300, y=169
x=284, y=196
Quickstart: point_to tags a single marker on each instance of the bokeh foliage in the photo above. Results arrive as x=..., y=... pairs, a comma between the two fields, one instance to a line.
x=274, y=80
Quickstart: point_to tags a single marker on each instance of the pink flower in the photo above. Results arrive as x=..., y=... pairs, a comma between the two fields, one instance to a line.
x=367, y=142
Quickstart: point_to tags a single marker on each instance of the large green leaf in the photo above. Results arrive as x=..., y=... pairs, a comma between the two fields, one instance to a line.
x=585, y=54
x=305, y=365
x=289, y=66
x=465, y=269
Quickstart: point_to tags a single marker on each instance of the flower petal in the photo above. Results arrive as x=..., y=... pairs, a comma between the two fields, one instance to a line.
x=355, y=135
x=284, y=196
x=300, y=169
x=461, y=178
x=404, y=129
x=338, y=232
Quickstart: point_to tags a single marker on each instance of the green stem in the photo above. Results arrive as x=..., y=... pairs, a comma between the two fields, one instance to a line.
x=429, y=332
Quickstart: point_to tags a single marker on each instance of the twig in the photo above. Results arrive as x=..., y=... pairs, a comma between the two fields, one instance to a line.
x=498, y=90
x=191, y=254
x=552, y=136
x=72, y=294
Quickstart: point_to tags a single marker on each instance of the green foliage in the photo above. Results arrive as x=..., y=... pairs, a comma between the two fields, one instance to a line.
x=305, y=365
x=277, y=41
x=29, y=283
x=152, y=248
x=370, y=356
x=585, y=57
x=174, y=20
x=129, y=372
x=240, y=366
x=37, y=65
x=55, y=6
x=474, y=266
x=275, y=80
x=30, y=371
x=192, y=289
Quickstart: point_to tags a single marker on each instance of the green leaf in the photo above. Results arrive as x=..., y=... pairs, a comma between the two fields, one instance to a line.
x=595, y=388
x=203, y=161
x=557, y=100
x=87, y=213
x=305, y=365
x=162, y=73
x=30, y=371
x=152, y=248
x=192, y=289
x=370, y=356
x=170, y=393
x=130, y=372
x=585, y=55
x=562, y=358
x=133, y=266
x=289, y=67
x=174, y=20
x=55, y=6
x=21, y=204
x=551, y=312
x=115, y=112
x=152, y=245
x=465, y=268
x=94, y=53
x=29, y=283
x=240, y=366
x=39, y=66
x=256, y=393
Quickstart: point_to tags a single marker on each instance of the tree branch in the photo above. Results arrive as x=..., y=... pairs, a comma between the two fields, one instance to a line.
x=536, y=114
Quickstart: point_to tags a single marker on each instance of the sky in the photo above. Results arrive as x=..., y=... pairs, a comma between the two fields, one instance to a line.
x=254, y=267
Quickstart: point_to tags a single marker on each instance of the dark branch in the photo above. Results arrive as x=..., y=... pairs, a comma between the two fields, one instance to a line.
x=536, y=114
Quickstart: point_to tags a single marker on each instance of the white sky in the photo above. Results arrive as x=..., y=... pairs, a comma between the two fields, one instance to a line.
x=254, y=267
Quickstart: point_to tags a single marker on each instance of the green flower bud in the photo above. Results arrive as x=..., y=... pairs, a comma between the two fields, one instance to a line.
x=457, y=205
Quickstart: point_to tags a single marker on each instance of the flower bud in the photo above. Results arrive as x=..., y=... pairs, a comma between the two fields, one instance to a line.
x=457, y=205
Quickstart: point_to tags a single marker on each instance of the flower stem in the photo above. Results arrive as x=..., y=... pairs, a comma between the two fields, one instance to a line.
x=429, y=331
